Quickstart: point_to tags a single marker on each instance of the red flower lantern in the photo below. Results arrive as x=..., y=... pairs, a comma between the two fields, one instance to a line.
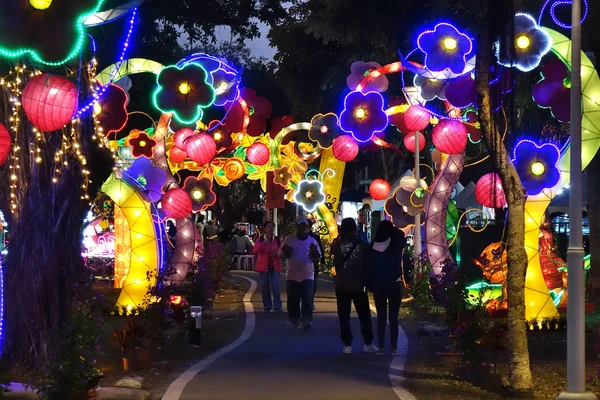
x=449, y=136
x=176, y=155
x=345, y=148
x=5, y=143
x=410, y=139
x=201, y=148
x=181, y=135
x=50, y=101
x=176, y=203
x=258, y=154
x=379, y=189
x=416, y=118
x=489, y=192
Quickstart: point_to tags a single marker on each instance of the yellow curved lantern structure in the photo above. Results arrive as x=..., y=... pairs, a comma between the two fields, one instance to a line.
x=537, y=299
x=145, y=253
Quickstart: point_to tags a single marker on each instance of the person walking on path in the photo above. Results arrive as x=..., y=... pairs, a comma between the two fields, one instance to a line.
x=349, y=262
x=301, y=251
x=241, y=243
x=268, y=265
x=384, y=279
x=316, y=236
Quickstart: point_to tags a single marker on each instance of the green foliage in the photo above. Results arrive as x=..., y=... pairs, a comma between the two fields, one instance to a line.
x=419, y=287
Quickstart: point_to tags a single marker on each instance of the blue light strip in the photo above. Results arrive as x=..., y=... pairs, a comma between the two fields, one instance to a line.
x=558, y=3
x=1, y=304
x=125, y=47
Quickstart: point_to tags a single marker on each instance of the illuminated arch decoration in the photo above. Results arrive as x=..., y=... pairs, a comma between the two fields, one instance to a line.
x=147, y=240
x=128, y=67
x=110, y=15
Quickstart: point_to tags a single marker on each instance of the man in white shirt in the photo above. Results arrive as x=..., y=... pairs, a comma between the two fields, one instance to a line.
x=302, y=252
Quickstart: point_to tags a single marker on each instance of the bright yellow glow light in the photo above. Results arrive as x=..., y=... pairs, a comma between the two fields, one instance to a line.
x=184, y=88
x=142, y=143
x=218, y=136
x=523, y=42
x=450, y=43
x=40, y=4
x=308, y=195
x=537, y=168
x=324, y=129
x=197, y=194
x=97, y=109
x=360, y=113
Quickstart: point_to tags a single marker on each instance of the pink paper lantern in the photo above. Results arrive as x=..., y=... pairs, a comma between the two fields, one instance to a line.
x=176, y=155
x=409, y=141
x=379, y=189
x=50, y=102
x=258, y=154
x=176, y=203
x=5, y=144
x=201, y=148
x=450, y=136
x=489, y=192
x=180, y=137
x=345, y=148
x=416, y=118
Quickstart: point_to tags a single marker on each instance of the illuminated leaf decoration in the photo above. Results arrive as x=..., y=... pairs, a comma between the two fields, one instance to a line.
x=292, y=160
x=259, y=174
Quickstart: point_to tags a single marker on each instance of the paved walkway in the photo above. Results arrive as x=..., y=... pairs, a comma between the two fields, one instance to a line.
x=279, y=362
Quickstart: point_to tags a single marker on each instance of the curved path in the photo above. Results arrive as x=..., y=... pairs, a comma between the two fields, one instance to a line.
x=272, y=360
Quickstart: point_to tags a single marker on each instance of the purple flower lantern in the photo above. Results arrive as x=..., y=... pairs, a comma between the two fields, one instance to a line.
x=151, y=179
x=363, y=115
x=226, y=85
x=531, y=43
x=400, y=218
x=461, y=92
x=360, y=69
x=537, y=166
x=445, y=48
x=324, y=129
x=553, y=91
x=431, y=88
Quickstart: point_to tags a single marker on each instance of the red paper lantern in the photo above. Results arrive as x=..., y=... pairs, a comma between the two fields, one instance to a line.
x=50, y=102
x=449, y=136
x=416, y=118
x=177, y=155
x=258, y=154
x=5, y=143
x=345, y=148
x=176, y=203
x=489, y=192
x=379, y=189
x=180, y=136
x=409, y=141
x=201, y=148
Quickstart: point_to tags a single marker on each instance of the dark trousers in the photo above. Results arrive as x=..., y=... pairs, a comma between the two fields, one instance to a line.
x=388, y=299
x=297, y=293
x=361, y=305
x=269, y=286
x=315, y=281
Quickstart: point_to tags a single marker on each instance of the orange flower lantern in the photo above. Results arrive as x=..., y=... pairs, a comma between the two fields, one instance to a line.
x=234, y=169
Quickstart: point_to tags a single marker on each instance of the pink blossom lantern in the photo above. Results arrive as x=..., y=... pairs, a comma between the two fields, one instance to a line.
x=345, y=148
x=201, y=148
x=410, y=139
x=449, y=136
x=379, y=189
x=416, y=118
x=180, y=136
x=258, y=154
x=50, y=101
x=489, y=192
x=176, y=203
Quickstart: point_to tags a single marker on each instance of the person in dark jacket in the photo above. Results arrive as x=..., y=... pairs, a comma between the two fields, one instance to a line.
x=348, y=259
x=384, y=279
x=316, y=236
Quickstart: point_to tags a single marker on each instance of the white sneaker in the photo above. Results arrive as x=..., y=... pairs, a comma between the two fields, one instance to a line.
x=347, y=350
x=369, y=349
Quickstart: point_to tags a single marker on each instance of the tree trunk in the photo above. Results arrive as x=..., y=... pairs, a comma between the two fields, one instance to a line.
x=520, y=372
x=593, y=210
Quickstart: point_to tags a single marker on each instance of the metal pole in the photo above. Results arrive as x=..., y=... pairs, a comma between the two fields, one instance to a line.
x=417, y=230
x=275, y=220
x=575, y=252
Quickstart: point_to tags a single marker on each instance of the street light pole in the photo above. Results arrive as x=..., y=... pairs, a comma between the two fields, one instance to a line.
x=417, y=230
x=575, y=252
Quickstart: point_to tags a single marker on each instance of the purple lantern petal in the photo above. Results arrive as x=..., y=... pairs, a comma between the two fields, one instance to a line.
x=363, y=115
x=445, y=47
x=537, y=165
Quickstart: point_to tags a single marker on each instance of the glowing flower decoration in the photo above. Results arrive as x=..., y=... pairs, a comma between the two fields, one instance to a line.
x=141, y=144
x=400, y=218
x=259, y=173
x=221, y=134
x=554, y=90
x=412, y=195
x=291, y=159
x=282, y=176
x=201, y=193
x=537, y=166
x=309, y=195
x=259, y=109
x=324, y=129
x=430, y=88
x=150, y=178
x=461, y=92
x=363, y=115
x=359, y=70
x=445, y=47
x=226, y=85
x=52, y=32
x=531, y=43
x=111, y=109
x=234, y=169
x=184, y=91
